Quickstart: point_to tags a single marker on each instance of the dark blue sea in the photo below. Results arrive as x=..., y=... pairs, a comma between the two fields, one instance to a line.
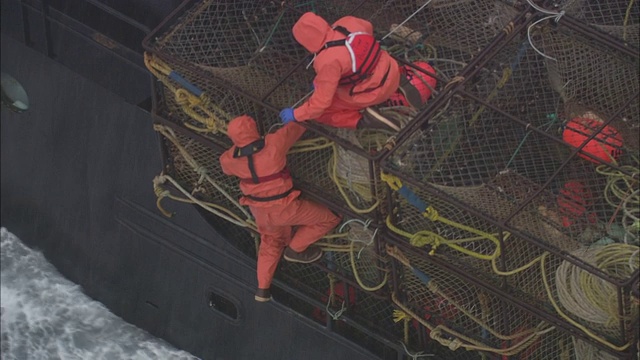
x=45, y=316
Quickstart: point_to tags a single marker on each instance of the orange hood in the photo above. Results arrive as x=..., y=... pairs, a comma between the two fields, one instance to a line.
x=243, y=130
x=311, y=31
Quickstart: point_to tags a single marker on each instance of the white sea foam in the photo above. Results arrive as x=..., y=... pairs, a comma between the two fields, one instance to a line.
x=45, y=316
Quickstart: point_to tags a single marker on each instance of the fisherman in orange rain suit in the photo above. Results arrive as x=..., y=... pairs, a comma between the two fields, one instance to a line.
x=333, y=104
x=268, y=191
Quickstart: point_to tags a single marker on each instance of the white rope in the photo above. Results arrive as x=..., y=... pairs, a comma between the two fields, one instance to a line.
x=353, y=220
x=553, y=15
x=407, y=19
x=337, y=314
x=545, y=11
x=628, y=215
x=417, y=355
x=365, y=225
x=302, y=99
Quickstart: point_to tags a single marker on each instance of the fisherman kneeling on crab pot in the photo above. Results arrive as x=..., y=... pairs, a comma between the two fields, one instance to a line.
x=265, y=182
x=352, y=74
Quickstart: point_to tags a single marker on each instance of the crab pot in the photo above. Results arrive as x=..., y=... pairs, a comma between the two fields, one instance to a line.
x=517, y=233
x=199, y=102
x=340, y=177
x=593, y=77
x=440, y=22
x=451, y=308
x=247, y=45
x=419, y=288
x=545, y=168
x=617, y=18
x=338, y=303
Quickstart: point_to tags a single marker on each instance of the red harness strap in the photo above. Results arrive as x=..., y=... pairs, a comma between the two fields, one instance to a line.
x=364, y=51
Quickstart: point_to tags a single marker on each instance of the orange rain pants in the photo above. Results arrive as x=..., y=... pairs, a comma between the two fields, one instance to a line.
x=330, y=103
x=274, y=218
x=275, y=224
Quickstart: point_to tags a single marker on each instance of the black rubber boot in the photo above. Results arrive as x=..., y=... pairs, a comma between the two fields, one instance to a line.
x=410, y=93
x=371, y=119
x=263, y=295
x=311, y=254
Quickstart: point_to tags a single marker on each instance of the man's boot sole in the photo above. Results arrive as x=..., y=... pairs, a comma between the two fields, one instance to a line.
x=262, y=299
x=376, y=116
x=303, y=261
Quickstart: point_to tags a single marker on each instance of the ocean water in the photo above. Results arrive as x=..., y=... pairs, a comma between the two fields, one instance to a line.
x=45, y=316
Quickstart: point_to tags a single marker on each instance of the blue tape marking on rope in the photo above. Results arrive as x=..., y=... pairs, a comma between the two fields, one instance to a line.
x=412, y=198
x=422, y=276
x=185, y=84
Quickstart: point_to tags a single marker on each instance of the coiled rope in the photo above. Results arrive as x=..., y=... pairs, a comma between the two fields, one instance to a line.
x=622, y=193
x=594, y=288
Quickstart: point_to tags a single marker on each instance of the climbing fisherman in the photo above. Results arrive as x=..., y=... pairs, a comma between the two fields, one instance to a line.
x=265, y=181
x=352, y=73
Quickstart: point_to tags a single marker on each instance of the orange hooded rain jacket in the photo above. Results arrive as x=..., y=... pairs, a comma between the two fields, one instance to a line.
x=274, y=218
x=332, y=104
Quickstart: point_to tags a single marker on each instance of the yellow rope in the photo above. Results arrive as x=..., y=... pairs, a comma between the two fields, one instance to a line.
x=530, y=334
x=424, y=237
x=622, y=193
x=626, y=20
x=506, y=75
x=357, y=275
x=313, y=144
x=433, y=287
x=589, y=297
x=332, y=288
x=457, y=341
x=192, y=105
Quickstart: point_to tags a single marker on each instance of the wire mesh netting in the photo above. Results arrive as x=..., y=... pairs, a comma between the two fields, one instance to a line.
x=513, y=189
x=454, y=309
x=618, y=18
x=342, y=176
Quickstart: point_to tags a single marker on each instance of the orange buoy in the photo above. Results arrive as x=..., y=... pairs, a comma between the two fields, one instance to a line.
x=606, y=146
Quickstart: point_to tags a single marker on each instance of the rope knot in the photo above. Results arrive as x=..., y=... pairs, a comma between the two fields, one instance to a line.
x=455, y=344
x=390, y=144
x=434, y=247
x=431, y=214
x=202, y=171
x=455, y=80
x=393, y=181
x=399, y=315
x=183, y=97
x=509, y=28
x=161, y=193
